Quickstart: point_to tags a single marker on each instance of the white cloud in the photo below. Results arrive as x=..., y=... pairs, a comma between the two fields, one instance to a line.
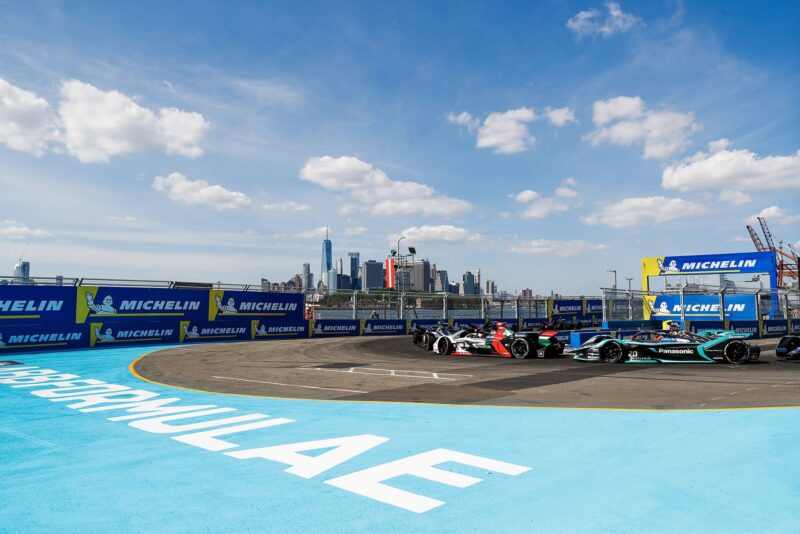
x=196, y=192
x=15, y=230
x=559, y=248
x=374, y=191
x=526, y=196
x=505, y=215
x=100, y=124
x=286, y=206
x=626, y=121
x=355, y=230
x=731, y=196
x=464, y=119
x=318, y=232
x=774, y=214
x=27, y=123
x=445, y=233
x=590, y=23
x=541, y=208
x=507, y=132
x=739, y=239
x=560, y=116
x=740, y=170
x=570, y=182
x=566, y=192
x=642, y=211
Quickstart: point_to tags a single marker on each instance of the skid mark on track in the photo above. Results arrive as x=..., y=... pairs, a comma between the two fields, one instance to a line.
x=395, y=373
x=288, y=385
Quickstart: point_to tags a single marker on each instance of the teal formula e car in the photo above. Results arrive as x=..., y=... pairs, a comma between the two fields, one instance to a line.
x=710, y=346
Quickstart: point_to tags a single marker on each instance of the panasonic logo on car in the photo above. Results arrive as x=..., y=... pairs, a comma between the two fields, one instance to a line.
x=159, y=305
x=30, y=305
x=676, y=351
x=717, y=265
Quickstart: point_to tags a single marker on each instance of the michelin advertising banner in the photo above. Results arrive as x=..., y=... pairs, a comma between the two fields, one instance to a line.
x=739, y=262
x=260, y=330
x=110, y=335
x=15, y=338
x=37, y=304
x=199, y=331
x=378, y=327
x=700, y=307
x=566, y=307
x=236, y=304
x=135, y=304
x=326, y=327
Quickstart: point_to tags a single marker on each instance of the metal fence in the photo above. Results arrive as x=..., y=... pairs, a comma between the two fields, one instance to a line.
x=621, y=305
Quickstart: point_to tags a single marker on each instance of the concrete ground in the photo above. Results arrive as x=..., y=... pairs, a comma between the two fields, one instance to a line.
x=393, y=369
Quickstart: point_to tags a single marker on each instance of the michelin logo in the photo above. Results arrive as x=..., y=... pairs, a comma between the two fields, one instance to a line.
x=220, y=331
x=107, y=336
x=230, y=306
x=30, y=305
x=373, y=329
x=671, y=268
x=274, y=330
x=106, y=308
x=663, y=309
x=567, y=309
x=333, y=328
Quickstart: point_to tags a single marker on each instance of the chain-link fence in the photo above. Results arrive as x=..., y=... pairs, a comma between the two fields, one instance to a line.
x=701, y=303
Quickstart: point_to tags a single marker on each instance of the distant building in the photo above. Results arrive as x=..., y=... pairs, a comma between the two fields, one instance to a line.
x=308, y=280
x=340, y=267
x=355, y=258
x=477, y=274
x=22, y=272
x=265, y=285
x=491, y=288
x=441, y=283
x=373, y=275
x=421, y=276
x=527, y=293
x=332, y=281
x=454, y=288
x=469, y=284
x=327, y=257
x=343, y=282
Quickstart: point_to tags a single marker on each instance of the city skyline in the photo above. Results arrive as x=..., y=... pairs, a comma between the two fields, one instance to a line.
x=547, y=142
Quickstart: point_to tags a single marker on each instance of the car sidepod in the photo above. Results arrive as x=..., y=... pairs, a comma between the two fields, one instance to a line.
x=788, y=348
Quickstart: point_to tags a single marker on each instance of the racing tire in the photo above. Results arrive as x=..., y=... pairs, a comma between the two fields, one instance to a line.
x=521, y=349
x=736, y=352
x=444, y=345
x=416, y=337
x=613, y=352
x=429, y=339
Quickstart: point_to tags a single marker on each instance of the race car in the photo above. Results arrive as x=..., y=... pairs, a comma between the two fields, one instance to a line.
x=426, y=337
x=788, y=348
x=499, y=340
x=669, y=347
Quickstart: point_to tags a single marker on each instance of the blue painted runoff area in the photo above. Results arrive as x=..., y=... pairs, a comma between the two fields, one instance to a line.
x=532, y=470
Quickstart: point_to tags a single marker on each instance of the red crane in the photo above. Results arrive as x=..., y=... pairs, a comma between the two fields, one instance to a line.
x=788, y=264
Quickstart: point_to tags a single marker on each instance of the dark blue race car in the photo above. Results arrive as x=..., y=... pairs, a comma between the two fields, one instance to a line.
x=717, y=346
x=788, y=348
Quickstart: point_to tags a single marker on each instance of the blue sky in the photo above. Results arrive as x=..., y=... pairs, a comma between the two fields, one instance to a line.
x=543, y=143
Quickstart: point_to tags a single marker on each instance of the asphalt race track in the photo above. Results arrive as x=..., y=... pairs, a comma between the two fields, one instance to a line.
x=392, y=369
x=96, y=441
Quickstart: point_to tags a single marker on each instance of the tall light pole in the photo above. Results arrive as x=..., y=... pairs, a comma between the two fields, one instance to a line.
x=629, y=283
x=630, y=299
x=615, y=276
x=399, y=257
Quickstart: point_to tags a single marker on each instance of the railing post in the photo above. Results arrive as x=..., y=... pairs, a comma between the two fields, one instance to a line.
x=355, y=304
x=683, y=309
x=722, y=304
x=516, y=309
x=402, y=305
x=605, y=307
x=444, y=306
x=630, y=305
x=758, y=305
x=786, y=305
x=483, y=308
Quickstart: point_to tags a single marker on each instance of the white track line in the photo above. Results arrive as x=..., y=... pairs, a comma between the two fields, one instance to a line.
x=397, y=373
x=288, y=385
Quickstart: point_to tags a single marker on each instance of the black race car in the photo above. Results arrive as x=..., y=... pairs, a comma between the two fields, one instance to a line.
x=788, y=348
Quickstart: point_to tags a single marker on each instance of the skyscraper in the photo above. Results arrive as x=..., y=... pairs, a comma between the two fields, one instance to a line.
x=441, y=283
x=469, y=284
x=307, y=282
x=491, y=288
x=373, y=275
x=477, y=274
x=340, y=267
x=327, y=257
x=22, y=272
x=355, y=259
x=421, y=276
